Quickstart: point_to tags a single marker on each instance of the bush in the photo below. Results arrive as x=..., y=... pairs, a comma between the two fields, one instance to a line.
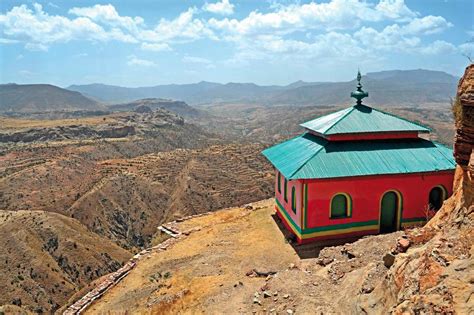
x=456, y=108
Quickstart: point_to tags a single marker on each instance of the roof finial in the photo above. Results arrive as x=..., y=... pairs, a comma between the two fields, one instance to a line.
x=359, y=94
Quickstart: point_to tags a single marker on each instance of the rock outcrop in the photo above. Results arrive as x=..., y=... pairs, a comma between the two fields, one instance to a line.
x=179, y=107
x=464, y=112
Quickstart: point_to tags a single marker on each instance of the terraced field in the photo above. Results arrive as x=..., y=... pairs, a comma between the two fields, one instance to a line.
x=125, y=199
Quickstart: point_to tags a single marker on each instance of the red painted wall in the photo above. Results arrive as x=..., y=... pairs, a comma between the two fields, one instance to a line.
x=366, y=193
x=287, y=204
x=373, y=136
x=368, y=135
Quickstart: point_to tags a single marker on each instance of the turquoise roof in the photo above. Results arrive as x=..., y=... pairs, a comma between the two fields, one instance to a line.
x=308, y=156
x=361, y=119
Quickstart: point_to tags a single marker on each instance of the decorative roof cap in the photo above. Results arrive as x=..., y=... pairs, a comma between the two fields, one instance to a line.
x=359, y=94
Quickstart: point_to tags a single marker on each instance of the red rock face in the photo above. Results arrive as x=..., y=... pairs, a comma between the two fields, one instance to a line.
x=464, y=140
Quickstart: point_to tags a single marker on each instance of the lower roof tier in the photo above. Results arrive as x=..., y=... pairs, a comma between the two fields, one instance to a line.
x=311, y=157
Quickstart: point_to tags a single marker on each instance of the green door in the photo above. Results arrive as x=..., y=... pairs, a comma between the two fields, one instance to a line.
x=388, y=215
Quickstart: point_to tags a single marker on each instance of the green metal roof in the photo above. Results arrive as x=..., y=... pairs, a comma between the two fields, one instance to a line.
x=361, y=119
x=308, y=156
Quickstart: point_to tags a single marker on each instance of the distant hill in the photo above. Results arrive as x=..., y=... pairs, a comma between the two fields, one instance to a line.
x=397, y=87
x=178, y=107
x=42, y=98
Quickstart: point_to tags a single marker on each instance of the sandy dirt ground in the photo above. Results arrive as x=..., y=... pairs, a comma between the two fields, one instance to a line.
x=210, y=270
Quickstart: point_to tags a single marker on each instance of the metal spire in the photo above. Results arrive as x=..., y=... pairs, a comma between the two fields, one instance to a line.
x=359, y=94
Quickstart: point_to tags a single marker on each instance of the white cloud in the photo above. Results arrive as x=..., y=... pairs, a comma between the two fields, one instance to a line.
x=39, y=29
x=184, y=28
x=395, y=10
x=102, y=23
x=438, y=47
x=392, y=38
x=336, y=14
x=334, y=29
x=155, y=47
x=108, y=15
x=427, y=25
x=135, y=61
x=223, y=7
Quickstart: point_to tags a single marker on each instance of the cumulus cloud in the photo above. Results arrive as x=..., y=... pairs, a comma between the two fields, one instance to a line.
x=135, y=61
x=108, y=15
x=184, y=28
x=333, y=15
x=223, y=7
x=337, y=28
x=40, y=29
x=102, y=23
x=438, y=47
x=395, y=10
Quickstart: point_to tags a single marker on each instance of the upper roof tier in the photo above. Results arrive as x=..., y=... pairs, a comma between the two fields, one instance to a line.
x=361, y=119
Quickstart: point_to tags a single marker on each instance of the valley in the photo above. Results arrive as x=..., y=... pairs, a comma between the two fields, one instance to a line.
x=114, y=172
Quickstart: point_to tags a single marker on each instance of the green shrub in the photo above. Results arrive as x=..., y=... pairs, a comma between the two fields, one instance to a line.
x=456, y=108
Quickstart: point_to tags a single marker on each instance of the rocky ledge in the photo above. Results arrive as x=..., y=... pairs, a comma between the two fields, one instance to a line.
x=143, y=124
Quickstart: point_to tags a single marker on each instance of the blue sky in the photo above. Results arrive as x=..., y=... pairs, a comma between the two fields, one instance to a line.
x=144, y=43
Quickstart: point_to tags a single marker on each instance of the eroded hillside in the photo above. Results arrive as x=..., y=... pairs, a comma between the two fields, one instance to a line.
x=125, y=199
x=46, y=257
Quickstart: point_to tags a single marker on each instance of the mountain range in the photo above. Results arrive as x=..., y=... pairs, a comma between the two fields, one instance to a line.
x=395, y=87
x=407, y=88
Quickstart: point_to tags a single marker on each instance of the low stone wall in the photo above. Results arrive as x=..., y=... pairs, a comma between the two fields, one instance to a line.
x=113, y=278
x=109, y=281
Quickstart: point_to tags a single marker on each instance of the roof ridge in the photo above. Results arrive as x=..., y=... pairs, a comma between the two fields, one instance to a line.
x=401, y=118
x=325, y=115
x=312, y=156
x=339, y=119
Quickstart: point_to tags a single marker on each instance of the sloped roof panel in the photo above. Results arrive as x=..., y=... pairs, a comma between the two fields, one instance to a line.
x=361, y=119
x=291, y=155
x=308, y=156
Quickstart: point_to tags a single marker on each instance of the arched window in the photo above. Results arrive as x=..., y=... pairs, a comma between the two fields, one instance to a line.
x=285, y=190
x=437, y=195
x=293, y=199
x=279, y=182
x=340, y=206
